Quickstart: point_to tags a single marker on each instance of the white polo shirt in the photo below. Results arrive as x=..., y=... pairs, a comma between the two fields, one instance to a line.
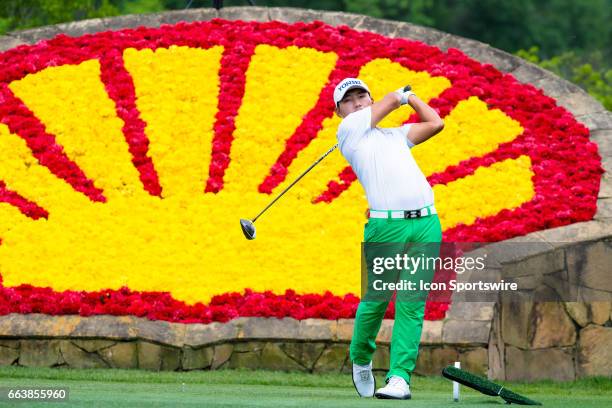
x=382, y=161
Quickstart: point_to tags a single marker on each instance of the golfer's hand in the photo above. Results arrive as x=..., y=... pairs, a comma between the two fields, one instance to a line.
x=404, y=93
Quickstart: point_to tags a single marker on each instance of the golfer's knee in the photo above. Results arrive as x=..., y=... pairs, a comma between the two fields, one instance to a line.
x=372, y=308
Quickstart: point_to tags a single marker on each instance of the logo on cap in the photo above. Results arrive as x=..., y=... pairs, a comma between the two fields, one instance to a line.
x=345, y=85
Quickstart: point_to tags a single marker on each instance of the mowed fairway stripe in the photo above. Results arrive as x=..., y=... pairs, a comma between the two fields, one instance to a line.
x=229, y=388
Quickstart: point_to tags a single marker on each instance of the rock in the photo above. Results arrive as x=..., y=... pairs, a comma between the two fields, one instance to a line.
x=595, y=351
x=289, y=15
x=605, y=186
x=40, y=353
x=575, y=233
x=221, y=354
x=274, y=358
x=80, y=28
x=589, y=264
x=76, y=357
x=552, y=327
x=596, y=120
x=173, y=17
x=316, y=329
x=540, y=264
x=475, y=360
x=524, y=284
x=247, y=355
x=121, y=355
x=496, y=369
x=529, y=325
x=470, y=311
x=34, y=35
x=332, y=359
x=311, y=353
x=159, y=331
x=593, y=295
x=157, y=357
x=131, y=21
x=7, y=43
x=245, y=359
x=556, y=287
x=106, y=326
x=270, y=327
x=419, y=33
x=603, y=138
x=525, y=250
x=8, y=355
x=600, y=312
x=381, y=358
x=347, y=368
x=306, y=354
x=432, y=332
x=496, y=349
x=294, y=350
x=515, y=323
x=344, y=329
x=579, y=103
x=195, y=359
x=34, y=324
x=249, y=346
x=534, y=365
x=466, y=332
x=244, y=13
x=383, y=27
x=338, y=18
x=527, y=72
x=13, y=344
x=432, y=360
x=386, y=331
x=197, y=335
x=93, y=345
x=554, y=86
x=578, y=312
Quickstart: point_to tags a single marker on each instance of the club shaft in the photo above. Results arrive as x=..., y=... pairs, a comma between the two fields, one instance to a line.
x=295, y=181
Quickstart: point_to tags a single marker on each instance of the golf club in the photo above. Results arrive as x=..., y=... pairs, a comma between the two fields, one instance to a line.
x=248, y=226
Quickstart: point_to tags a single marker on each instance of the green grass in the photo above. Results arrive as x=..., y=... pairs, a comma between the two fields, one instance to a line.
x=243, y=388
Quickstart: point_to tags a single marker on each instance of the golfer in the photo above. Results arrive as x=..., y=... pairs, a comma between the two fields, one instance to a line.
x=401, y=209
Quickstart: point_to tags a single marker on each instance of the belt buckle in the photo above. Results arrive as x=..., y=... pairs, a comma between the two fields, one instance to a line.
x=412, y=214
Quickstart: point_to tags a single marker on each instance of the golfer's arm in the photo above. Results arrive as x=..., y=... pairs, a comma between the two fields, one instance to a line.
x=384, y=107
x=430, y=124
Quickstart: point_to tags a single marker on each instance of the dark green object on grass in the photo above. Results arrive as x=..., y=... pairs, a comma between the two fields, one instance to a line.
x=485, y=386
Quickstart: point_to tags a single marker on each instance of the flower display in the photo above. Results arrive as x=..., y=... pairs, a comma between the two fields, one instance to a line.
x=127, y=158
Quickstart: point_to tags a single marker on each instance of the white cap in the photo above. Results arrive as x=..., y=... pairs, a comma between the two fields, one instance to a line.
x=346, y=85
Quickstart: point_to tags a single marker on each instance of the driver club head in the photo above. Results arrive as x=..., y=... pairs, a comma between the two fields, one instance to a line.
x=248, y=228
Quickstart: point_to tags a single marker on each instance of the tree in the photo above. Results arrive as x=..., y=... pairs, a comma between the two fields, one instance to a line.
x=21, y=14
x=586, y=71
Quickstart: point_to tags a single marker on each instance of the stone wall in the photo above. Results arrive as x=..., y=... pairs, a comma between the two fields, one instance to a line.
x=561, y=340
x=311, y=345
x=312, y=357
x=530, y=341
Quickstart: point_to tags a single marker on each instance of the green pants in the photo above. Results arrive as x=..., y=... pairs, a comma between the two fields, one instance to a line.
x=408, y=315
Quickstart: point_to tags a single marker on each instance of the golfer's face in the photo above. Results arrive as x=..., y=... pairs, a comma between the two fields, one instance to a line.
x=353, y=100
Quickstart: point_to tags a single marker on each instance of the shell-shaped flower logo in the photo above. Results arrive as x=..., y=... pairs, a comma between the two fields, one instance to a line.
x=127, y=158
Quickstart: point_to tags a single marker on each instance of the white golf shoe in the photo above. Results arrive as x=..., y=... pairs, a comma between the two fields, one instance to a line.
x=396, y=388
x=363, y=380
